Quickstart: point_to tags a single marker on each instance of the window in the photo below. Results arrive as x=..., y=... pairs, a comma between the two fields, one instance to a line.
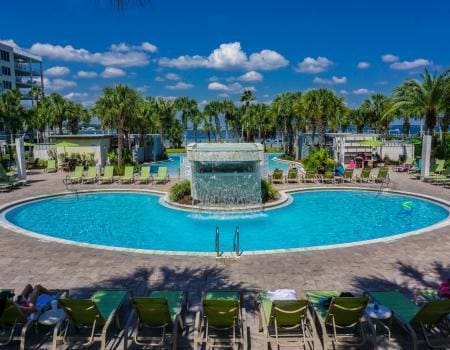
x=4, y=55
x=6, y=70
x=7, y=84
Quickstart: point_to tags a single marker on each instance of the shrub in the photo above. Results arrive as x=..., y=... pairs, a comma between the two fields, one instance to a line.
x=268, y=191
x=41, y=163
x=180, y=190
x=317, y=158
x=287, y=157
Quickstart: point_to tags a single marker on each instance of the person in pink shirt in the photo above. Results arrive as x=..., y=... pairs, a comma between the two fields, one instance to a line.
x=444, y=289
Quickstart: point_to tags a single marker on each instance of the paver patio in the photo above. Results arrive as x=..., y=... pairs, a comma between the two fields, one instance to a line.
x=405, y=264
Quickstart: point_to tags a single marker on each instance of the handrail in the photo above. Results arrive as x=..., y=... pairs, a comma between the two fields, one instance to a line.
x=237, y=241
x=384, y=184
x=218, y=242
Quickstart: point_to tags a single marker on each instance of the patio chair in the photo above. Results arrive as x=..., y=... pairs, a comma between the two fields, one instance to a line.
x=383, y=173
x=365, y=175
x=220, y=321
x=343, y=322
x=144, y=176
x=328, y=177
x=77, y=176
x=277, y=176
x=96, y=316
x=433, y=168
x=51, y=166
x=311, y=176
x=7, y=180
x=348, y=175
x=292, y=176
x=161, y=312
x=288, y=322
x=417, y=168
x=107, y=176
x=163, y=175
x=91, y=176
x=445, y=175
x=429, y=320
x=128, y=176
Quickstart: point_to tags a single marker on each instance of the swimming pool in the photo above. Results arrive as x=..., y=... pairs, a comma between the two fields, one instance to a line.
x=131, y=220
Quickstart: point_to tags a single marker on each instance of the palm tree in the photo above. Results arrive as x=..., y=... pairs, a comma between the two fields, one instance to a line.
x=12, y=111
x=166, y=113
x=197, y=118
x=36, y=95
x=246, y=98
x=117, y=107
x=213, y=110
x=424, y=98
x=282, y=109
x=230, y=113
x=378, y=109
x=75, y=113
x=186, y=106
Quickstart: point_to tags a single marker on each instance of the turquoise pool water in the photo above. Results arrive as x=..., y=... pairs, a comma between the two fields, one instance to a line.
x=137, y=220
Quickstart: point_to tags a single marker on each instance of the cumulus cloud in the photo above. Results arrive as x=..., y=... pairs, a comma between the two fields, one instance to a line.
x=86, y=74
x=363, y=65
x=233, y=88
x=173, y=76
x=123, y=47
x=76, y=96
x=57, y=71
x=9, y=42
x=362, y=91
x=113, y=72
x=343, y=92
x=228, y=57
x=180, y=86
x=58, y=84
x=389, y=58
x=405, y=65
x=333, y=81
x=314, y=65
x=251, y=76
x=115, y=57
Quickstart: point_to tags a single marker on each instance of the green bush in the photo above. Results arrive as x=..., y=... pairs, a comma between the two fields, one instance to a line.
x=41, y=163
x=180, y=190
x=318, y=157
x=287, y=157
x=268, y=191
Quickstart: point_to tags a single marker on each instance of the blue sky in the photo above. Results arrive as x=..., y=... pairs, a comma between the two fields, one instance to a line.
x=214, y=49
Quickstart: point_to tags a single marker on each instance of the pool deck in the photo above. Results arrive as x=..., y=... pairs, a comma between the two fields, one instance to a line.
x=405, y=264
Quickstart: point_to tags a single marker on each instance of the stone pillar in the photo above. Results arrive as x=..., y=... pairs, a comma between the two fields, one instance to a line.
x=21, y=164
x=426, y=155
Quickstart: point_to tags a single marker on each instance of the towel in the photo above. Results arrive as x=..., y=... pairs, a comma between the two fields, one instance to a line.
x=282, y=294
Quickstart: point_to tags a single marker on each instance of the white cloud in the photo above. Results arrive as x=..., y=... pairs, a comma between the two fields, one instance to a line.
x=160, y=79
x=173, y=76
x=115, y=57
x=145, y=46
x=58, y=84
x=388, y=58
x=75, y=96
x=143, y=89
x=9, y=42
x=113, y=72
x=362, y=92
x=314, y=65
x=363, y=65
x=343, y=92
x=232, y=88
x=57, y=71
x=86, y=74
x=213, y=78
x=333, y=81
x=180, y=86
x=224, y=95
x=404, y=65
x=251, y=76
x=228, y=57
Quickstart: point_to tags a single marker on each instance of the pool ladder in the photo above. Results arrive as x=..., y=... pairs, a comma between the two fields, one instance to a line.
x=236, y=243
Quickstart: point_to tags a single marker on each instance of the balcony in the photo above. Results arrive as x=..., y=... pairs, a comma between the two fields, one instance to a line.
x=24, y=70
x=25, y=83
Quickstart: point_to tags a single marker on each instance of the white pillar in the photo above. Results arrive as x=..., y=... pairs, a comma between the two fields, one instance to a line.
x=426, y=155
x=21, y=164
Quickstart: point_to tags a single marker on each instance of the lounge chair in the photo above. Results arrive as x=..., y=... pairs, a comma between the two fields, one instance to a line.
x=51, y=166
x=221, y=321
x=417, y=168
x=162, y=176
x=435, y=170
x=288, y=322
x=343, y=322
x=5, y=186
x=365, y=175
x=382, y=175
x=348, y=175
x=292, y=176
x=406, y=166
x=328, y=177
x=445, y=175
x=277, y=176
x=161, y=312
x=107, y=176
x=14, y=325
x=7, y=180
x=77, y=176
x=128, y=176
x=144, y=176
x=429, y=320
x=91, y=176
x=96, y=315
x=311, y=176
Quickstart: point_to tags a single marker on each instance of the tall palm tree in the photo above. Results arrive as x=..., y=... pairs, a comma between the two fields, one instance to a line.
x=36, y=95
x=230, y=114
x=282, y=109
x=166, y=113
x=424, y=98
x=75, y=114
x=12, y=111
x=246, y=98
x=213, y=110
x=197, y=118
x=117, y=107
x=379, y=111
x=186, y=106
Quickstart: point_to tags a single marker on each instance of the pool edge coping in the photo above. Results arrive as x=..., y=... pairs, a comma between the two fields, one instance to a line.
x=45, y=238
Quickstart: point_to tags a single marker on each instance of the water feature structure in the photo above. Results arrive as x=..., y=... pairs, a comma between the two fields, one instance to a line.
x=226, y=174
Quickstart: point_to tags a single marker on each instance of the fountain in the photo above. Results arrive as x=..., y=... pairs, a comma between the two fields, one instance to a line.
x=225, y=175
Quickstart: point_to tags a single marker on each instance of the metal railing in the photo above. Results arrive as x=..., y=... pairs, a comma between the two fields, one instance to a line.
x=236, y=243
x=218, y=253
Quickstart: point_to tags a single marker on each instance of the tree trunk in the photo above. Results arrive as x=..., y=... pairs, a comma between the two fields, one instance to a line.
x=60, y=127
x=226, y=129
x=360, y=129
x=406, y=126
x=218, y=128
x=430, y=122
x=297, y=145
x=120, y=135
x=321, y=132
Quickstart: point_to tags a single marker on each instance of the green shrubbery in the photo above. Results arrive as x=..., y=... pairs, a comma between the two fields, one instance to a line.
x=268, y=191
x=317, y=158
x=180, y=190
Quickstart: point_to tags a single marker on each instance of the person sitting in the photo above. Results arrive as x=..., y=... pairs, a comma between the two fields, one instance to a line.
x=444, y=289
x=27, y=300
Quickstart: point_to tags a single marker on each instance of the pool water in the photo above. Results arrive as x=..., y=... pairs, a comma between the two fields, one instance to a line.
x=139, y=221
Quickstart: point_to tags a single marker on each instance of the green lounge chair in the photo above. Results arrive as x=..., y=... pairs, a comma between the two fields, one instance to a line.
x=91, y=176
x=310, y=176
x=277, y=176
x=5, y=186
x=108, y=172
x=343, y=322
x=128, y=176
x=161, y=312
x=292, y=176
x=417, y=168
x=328, y=177
x=382, y=175
x=287, y=321
x=365, y=175
x=163, y=175
x=435, y=170
x=429, y=320
x=348, y=175
x=144, y=176
x=436, y=179
x=77, y=176
x=51, y=166
x=95, y=315
x=221, y=321
x=7, y=180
